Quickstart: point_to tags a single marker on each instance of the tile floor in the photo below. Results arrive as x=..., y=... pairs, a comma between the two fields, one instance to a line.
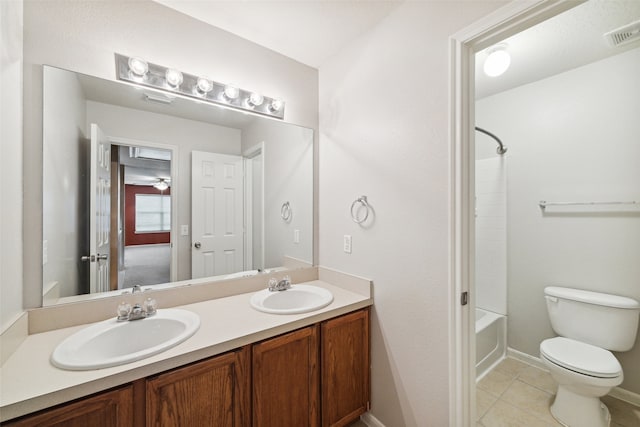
x=515, y=394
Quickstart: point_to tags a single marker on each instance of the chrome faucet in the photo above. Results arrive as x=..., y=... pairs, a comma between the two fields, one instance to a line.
x=138, y=311
x=282, y=285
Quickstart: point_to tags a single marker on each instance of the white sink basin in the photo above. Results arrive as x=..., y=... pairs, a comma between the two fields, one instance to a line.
x=297, y=299
x=113, y=343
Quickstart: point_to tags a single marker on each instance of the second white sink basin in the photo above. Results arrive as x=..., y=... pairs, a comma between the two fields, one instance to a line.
x=297, y=299
x=113, y=343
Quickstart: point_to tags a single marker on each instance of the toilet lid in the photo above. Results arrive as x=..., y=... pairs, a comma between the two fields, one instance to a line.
x=581, y=357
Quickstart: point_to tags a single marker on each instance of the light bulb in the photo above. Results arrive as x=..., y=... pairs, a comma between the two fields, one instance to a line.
x=276, y=105
x=497, y=62
x=255, y=100
x=138, y=66
x=231, y=92
x=161, y=185
x=204, y=85
x=174, y=77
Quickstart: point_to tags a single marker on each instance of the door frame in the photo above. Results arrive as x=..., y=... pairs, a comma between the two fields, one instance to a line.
x=173, y=233
x=502, y=23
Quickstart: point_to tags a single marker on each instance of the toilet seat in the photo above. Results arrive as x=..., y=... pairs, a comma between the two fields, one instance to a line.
x=580, y=357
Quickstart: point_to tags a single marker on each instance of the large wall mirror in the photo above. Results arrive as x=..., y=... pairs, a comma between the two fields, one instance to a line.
x=142, y=188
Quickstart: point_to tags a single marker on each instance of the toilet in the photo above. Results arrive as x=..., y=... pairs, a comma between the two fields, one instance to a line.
x=589, y=325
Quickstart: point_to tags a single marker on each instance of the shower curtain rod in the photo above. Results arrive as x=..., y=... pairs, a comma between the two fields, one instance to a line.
x=501, y=149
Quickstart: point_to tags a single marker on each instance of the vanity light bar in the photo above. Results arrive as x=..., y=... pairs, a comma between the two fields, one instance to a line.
x=138, y=71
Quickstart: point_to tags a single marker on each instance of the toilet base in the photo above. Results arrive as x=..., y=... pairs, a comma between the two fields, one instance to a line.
x=574, y=410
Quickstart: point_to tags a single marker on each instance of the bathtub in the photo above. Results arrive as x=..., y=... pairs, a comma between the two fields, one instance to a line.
x=491, y=338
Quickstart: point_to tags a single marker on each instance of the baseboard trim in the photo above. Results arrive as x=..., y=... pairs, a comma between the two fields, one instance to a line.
x=627, y=396
x=617, y=392
x=526, y=358
x=370, y=420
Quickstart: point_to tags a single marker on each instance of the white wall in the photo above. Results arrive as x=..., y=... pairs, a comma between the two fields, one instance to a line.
x=65, y=183
x=186, y=135
x=288, y=176
x=83, y=36
x=384, y=106
x=571, y=137
x=11, y=19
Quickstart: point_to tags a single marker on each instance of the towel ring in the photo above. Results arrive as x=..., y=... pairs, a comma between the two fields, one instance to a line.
x=285, y=211
x=358, y=203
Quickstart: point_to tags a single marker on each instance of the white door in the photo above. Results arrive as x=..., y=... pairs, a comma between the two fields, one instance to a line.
x=100, y=211
x=216, y=214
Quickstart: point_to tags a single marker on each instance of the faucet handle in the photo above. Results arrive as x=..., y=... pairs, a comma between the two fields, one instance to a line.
x=150, y=306
x=273, y=284
x=124, y=308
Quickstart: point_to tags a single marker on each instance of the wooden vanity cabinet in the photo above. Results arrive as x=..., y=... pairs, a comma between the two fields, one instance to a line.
x=286, y=380
x=317, y=375
x=113, y=408
x=344, y=359
x=214, y=393
x=314, y=376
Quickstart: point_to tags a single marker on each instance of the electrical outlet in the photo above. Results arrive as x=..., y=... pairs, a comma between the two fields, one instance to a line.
x=296, y=236
x=347, y=243
x=184, y=230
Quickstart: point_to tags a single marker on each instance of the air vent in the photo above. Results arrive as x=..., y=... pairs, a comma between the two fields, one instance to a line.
x=623, y=35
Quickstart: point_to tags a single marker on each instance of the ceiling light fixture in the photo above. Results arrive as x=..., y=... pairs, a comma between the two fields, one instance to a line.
x=498, y=60
x=140, y=72
x=161, y=184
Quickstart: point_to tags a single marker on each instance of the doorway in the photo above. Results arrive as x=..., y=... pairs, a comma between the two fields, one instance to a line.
x=505, y=22
x=144, y=196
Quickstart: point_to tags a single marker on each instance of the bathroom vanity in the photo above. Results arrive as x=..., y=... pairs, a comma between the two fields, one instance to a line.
x=268, y=370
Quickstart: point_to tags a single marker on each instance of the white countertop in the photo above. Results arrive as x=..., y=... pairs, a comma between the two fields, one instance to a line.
x=28, y=381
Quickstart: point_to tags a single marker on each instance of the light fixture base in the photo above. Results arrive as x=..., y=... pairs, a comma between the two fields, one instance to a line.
x=155, y=78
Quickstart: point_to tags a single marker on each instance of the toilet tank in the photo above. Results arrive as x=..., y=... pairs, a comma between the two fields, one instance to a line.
x=603, y=320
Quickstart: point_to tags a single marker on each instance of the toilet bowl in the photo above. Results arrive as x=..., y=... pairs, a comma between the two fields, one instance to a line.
x=589, y=324
x=584, y=373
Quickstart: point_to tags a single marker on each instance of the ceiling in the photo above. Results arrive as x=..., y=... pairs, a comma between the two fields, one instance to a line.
x=323, y=27
x=566, y=41
x=309, y=31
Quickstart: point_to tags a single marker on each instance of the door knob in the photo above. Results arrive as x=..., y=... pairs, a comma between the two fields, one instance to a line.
x=94, y=258
x=197, y=245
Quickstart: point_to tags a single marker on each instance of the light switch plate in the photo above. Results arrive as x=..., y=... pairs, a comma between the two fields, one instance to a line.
x=347, y=243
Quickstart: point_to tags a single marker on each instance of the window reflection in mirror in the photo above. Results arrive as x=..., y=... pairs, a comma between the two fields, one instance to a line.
x=119, y=206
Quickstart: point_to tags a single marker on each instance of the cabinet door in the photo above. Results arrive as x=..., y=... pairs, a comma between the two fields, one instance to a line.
x=214, y=393
x=109, y=409
x=286, y=380
x=345, y=368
